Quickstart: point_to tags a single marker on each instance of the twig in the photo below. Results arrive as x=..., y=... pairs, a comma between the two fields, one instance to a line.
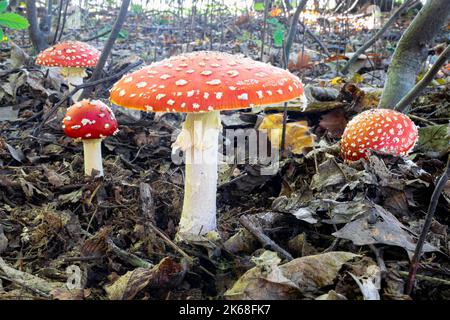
x=417, y=89
x=265, y=240
x=108, y=46
x=130, y=258
x=263, y=31
x=437, y=281
x=426, y=227
x=96, y=36
x=293, y=28
x=64, y=21
x=315, y=38
x=58, y=24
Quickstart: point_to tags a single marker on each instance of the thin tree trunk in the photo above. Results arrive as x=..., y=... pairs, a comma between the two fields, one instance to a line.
x=412, y=51
x=37, y=37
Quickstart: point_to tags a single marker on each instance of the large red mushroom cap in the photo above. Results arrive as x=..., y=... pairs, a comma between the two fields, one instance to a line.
x=89, y=120
x=69, y=54
x=381, y=130
x=205, y=81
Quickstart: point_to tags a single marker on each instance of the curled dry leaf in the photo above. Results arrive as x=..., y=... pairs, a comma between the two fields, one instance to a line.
x=297, y=278
x=165, y=275
x=298, y=137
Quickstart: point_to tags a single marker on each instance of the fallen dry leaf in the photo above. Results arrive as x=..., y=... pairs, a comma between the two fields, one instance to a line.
x=299, y=277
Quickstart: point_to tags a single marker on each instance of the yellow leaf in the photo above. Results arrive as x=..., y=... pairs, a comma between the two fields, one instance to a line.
x=357, y=78
x=22, y=4
x=336, y=81
x=298, y=136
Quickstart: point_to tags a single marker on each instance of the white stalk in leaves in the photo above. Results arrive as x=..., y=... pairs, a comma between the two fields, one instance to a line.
x=74, y=77
x=92, y=149
x=199, y=140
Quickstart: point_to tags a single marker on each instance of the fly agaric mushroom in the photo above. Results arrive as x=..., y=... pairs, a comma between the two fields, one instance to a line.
x=383, y=130
x=201, y=84
x=73, y=57
x=90, y=121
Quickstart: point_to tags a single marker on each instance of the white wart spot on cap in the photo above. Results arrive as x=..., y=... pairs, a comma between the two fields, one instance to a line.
x=214, y=82
x=181, y=82
x=243, y=96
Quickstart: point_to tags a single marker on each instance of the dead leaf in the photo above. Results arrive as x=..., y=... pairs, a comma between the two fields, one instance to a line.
x=299, y=277
x=15, y=153
x=379, y=226
x=298, y=137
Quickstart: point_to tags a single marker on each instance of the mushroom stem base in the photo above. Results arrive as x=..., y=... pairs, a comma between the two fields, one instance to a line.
x=93, y=156
x=199, y=140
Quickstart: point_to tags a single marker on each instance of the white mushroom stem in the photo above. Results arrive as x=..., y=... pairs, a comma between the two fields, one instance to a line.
x=199, y=140
x=74, y=77
x=93, y=156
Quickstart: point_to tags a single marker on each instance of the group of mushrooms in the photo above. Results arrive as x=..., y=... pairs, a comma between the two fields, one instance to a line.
x=201, y=84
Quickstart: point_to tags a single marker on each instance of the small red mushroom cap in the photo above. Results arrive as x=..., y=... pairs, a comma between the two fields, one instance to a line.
x=205, y=81
x=381, y=130
x=89, y=120
x=69, y=54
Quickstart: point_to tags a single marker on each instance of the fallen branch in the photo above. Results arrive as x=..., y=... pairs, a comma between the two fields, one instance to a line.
x=265, y=240
x=403, y=104
x=426, y=227
x=28, y=281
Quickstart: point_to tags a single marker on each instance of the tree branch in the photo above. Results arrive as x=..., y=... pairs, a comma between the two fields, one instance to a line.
x=377, y=35
x=426, y=227
x=403, y=104
x=108, y=47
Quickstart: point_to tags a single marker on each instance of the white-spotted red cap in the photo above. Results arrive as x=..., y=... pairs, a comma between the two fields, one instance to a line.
x=382, y=130
x=89, y=120
x=69, y=54
x=205, y=81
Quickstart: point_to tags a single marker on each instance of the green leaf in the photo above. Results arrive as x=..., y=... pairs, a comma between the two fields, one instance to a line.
x=278, y=37
x=3, y=5
x=1, y=35
x=259, y=6
x=13, y=21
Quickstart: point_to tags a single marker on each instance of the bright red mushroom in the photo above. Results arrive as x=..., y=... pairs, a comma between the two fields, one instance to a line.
x=383, y=130
x=201, y=84
x=90, y=121
x=73, y=57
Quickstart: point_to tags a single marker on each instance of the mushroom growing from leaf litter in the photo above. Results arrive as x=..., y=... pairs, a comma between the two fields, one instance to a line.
x=73, y=57
x=384, y=130
x=90, y=121
x=201, y=84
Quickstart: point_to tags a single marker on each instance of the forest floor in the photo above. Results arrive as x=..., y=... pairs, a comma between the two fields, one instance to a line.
x=341, y=224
